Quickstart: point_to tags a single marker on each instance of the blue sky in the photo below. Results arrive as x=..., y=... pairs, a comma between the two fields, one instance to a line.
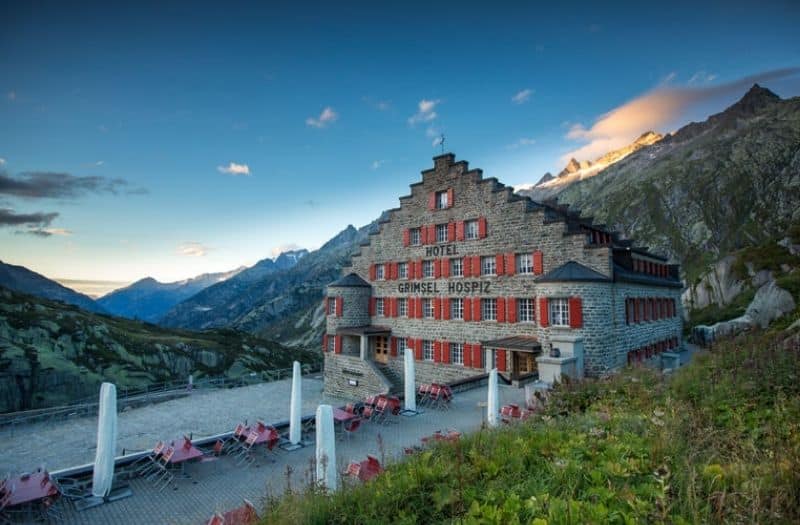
x=194, y=139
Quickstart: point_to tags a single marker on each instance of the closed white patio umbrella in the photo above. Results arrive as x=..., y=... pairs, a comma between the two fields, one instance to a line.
x=296, y=406
x=103, y=476
x=326, y=448
x=410, y=386
x=493, y=403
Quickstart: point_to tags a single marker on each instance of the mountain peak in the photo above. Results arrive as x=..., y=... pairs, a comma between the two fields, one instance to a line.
x=755, y=99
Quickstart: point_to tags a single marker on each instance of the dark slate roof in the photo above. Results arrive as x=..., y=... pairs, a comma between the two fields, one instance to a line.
x=621, y=274
x=350, y=280
x=517, y=342
x=572, y=271
x=364, y=330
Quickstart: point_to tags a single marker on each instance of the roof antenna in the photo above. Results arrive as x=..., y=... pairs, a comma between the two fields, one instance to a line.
x=441, y=142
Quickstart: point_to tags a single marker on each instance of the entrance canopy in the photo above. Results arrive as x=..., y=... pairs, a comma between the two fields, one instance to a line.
x=368, y=330
x=517, y=342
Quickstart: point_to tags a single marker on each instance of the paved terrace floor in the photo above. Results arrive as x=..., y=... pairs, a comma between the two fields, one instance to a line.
x=221, y=485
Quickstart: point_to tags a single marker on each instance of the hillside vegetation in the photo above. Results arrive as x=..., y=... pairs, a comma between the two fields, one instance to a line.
x=52, y=353
x=719, y=442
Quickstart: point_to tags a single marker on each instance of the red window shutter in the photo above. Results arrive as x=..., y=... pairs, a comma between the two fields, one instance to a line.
x=511, y=310
x=419, y=269
x=337, y=344
x=575, y=312
x=538, y=262
x=325, y=343
x=476, y=309
x=431, y=234
x=501, y=310
x=326, y=304
x=636, y=303
x=419, y=307
x=481, y=227
x=445, y=352
x=372, y=272
x=511, y=264
x=460, y=231
x=445, y=267
x=437, y=351
x=500, y=360
x=499, y=259
x=406, y=237
x=393, y=347
x=466, y=264
x=446, y=308
x=418, y=349
x=467, y=309
x=467, y=355
x=477, y=356
x=451, y=232
x=432, y=200
x=372, y=306
x=450, y=198
x=339, y=306
x=437, y=268
x=423, y=234
x=544, y=315
x=437, y=308
x=476, y=266
x=646, y=309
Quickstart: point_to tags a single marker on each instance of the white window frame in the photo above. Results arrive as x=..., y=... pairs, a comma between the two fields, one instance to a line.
x=402, y=307
x=441, y=233
x=526, y=310
x=488, y=265
x=401, y=345
x=415, y=237
x=427, y=350
x=441, y=200
x=379, y=307
x=457, y=267
x=331, y=343
x=471, y=229
x=456, y=308
x=427, y=269
x=525, y=264
x=380, y=271
x=427, y=308
x=457, y=353
x=489, y=309
x=331, y=306
x=402, y=270
x=559, y=311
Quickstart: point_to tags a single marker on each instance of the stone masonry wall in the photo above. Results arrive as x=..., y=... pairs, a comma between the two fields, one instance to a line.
x=340, y=369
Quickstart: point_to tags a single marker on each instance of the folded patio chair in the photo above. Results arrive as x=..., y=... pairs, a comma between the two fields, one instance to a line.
x=244, y=515
x=232, y=444
x=350, y=408
x=147, y=462
x=244, y=456
x=422, y=394
x=353, y=470
x=351, y=426
x=368, y=413
x=216, y=519
x=162, y=476
x=213, y=455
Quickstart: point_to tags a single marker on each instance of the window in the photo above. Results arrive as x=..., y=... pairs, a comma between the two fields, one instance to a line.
x=526, y=312
x=457, y=267
x=427, y=268
x=457, y=353
x=331, y=306
x=401, y=345
x=331, y=344
x=416, y=237
x=427, y=308
x=379, y=272
x=489, y=309
x=488, y=265
x=471, y=229
x=402, y=270
x=441, y=200
x=441, y=233
x=427, y=350
x=379, y=307
x=457, y=308
x=525, y=263
x=559, y=311
x=402, y=307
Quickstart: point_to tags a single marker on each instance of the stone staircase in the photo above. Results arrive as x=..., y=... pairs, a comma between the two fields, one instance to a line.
x=392, y=377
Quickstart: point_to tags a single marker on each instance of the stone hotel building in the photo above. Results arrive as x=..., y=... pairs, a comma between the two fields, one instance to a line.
x=470, y=276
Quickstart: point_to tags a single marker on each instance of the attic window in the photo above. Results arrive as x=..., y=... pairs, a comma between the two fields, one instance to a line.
x=442, y=201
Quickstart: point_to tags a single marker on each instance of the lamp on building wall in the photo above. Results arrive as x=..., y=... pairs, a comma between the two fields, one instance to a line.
x=555, y=352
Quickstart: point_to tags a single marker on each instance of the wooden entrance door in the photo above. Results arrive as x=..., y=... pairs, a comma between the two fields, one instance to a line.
x=382, y=349
x=524, y=364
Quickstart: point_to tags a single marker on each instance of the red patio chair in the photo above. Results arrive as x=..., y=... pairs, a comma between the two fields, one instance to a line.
x=214, y=455
x=422, y=394
x=149, y=460
x=351, y=426
x=238, y=436
x=245, y=456
x=161, y=476
x=368, y=413
x=216, y=519
x=381, y=410
x=350, y=408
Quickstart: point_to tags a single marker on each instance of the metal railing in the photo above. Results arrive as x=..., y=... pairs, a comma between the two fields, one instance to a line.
x=153, y=393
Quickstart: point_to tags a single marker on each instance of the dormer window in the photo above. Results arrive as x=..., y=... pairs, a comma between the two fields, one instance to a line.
x=442, y=200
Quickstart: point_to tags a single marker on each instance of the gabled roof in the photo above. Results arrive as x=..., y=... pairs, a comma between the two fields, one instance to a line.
x=351, y=280
x=572, y=271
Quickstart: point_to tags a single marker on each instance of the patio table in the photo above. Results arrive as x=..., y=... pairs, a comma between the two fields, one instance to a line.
x=30, y=487
x=340, y=416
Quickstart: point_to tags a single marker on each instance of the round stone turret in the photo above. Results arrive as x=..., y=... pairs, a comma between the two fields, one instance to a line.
x=352, y=293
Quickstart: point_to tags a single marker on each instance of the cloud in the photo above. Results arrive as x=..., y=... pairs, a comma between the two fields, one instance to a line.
x=425, y=111
x=99, y=163
x=290, y=247
x=11, y=95
x=524, y=141
x=522, y=96
x=2, y=161
x=193, y=249
x=376, y=164
x=328, y=116
x=702, y=77
x=437, y=141
x=52, y=185
x=380, y=105
x=657, y=110
x=234, y=169
x=38, y=219
x=45, y=232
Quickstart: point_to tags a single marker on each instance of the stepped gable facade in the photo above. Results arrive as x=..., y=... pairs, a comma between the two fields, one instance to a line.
x=471, y=276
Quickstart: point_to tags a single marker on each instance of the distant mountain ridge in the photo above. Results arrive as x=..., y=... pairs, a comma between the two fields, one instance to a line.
x=21, y=279
x=148, y=299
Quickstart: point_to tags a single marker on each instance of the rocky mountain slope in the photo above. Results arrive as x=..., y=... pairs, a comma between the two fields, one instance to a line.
x=52, y=353
x=284, y=305
x=707, y=190
x=21, y=279
x=148, y=299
